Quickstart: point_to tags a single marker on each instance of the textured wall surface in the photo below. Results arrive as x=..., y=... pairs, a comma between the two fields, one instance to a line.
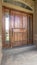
x=0, y=22
x=35, y=23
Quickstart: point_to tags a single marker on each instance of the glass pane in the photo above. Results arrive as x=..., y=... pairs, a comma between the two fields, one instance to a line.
x=6, y=27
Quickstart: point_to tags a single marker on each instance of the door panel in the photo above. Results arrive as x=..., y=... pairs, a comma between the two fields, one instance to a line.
x=19, y=30
x=12, y=21
x=25, y=29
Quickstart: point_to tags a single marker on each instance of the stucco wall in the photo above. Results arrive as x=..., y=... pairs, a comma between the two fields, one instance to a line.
x=35, y=23
x=0, y=23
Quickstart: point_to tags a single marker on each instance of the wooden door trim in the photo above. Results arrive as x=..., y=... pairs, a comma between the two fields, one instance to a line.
x=32, y=28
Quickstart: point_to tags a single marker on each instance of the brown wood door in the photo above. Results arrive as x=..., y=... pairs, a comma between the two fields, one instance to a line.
x=18, y=29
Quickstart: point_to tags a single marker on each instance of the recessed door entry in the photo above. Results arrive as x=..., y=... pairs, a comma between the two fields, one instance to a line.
x=17, y=28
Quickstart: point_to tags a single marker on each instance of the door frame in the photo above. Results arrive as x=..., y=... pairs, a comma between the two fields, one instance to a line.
x=31, y=15
x=3, y=33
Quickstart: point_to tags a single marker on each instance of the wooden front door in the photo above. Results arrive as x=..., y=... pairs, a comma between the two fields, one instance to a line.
x=14, y=28
x=18, y=29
